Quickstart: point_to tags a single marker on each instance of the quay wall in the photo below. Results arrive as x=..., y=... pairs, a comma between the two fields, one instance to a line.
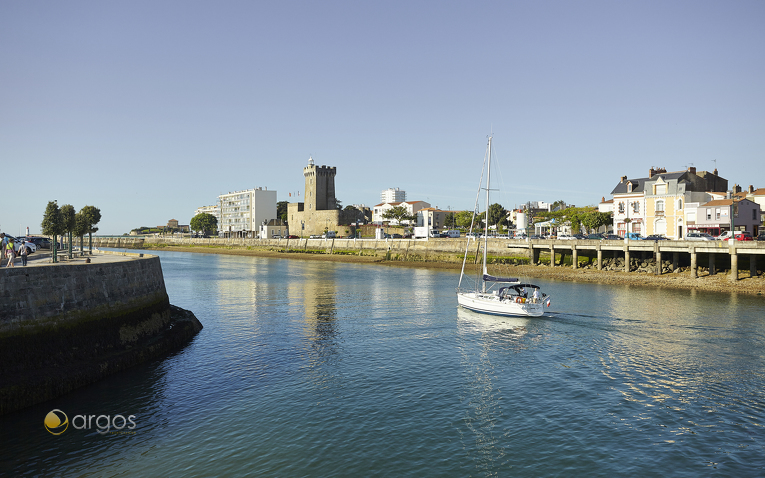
x=63, y=326
x=713, y=255
x=414, y=250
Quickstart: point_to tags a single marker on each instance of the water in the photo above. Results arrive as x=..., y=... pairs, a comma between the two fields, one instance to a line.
x=308, y=368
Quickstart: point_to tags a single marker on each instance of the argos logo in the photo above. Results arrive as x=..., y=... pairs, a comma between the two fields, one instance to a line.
x=56, y=422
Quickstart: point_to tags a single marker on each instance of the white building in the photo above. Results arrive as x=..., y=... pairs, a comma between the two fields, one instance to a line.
x=391, y=195
x=273, y=229
x=212, y=210
x=412, y=207
x=242, y=212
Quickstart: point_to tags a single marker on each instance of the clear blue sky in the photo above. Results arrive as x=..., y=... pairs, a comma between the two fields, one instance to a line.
x=150, y=109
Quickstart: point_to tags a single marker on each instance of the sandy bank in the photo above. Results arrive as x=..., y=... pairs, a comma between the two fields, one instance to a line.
x=719, y=282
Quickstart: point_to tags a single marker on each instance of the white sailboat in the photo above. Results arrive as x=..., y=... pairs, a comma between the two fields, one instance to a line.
x=506, y=296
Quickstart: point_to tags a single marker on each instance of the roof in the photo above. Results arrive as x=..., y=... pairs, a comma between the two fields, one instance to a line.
x=638, y=185
x=275, y=222
x=723, y=202
x=608, y=201
x=759, y=192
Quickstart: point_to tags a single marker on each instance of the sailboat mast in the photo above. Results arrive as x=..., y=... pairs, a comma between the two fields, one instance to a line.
x=486, y=223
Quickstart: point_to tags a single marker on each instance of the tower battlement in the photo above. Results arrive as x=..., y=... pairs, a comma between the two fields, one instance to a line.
x=319, y=186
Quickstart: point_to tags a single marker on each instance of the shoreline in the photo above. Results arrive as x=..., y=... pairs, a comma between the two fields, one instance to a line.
x=717, y=283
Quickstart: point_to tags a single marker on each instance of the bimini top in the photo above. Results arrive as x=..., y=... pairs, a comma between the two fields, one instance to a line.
x=488, y=278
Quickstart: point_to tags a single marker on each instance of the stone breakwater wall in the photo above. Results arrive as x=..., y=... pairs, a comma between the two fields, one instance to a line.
x=414, y=250
x=67, y=325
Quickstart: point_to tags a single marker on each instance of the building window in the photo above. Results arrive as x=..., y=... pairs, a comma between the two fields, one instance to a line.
x=629, y=187
x=660, y=206
x=621, y=208
x=679, y=204
x=636, y=207
x=709, y=214
x=754, y=214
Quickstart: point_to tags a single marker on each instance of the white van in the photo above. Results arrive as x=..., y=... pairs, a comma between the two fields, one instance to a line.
x=329, y=235
x=453, y=233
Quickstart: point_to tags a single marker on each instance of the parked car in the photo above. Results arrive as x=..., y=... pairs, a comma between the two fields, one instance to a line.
x=656, y=237
x=292, y=236
x=534, y=236
x=18, y=241
x=579, y=236
x=397, y=236
x=761, y=237
x=565, y=237
x=612, y=237
x=40, y=242
x=743, y=236
x=595, y=237
x=634, y=236
x=698, y=236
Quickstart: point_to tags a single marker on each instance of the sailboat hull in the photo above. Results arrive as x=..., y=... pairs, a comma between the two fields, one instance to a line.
x=491, y=304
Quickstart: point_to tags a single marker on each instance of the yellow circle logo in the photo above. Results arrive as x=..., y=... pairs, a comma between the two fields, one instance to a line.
x=56, y=422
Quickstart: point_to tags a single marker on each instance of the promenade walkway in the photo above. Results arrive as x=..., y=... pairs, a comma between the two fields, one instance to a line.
x=44, y=258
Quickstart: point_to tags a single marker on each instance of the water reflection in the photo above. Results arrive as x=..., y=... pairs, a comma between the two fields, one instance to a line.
x=484, y=342
x=316, y=293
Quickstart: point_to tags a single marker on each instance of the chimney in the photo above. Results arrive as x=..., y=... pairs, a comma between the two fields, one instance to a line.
x=692, y=169
x=651, y=172
x=751, y=189
x=715, y=172
x=624, y=178
x=603, y=199
x=736, y=188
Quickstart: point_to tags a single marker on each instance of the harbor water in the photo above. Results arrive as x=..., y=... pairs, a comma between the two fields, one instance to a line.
x=310, y=368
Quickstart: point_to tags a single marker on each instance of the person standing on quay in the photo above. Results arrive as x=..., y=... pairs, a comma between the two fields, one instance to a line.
x=9, y=252
x=2, y=247
x=23, y=253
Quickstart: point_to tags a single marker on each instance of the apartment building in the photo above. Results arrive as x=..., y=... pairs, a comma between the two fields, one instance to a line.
x=242, y=212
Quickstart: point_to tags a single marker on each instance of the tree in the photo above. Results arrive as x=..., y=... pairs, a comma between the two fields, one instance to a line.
x=449, y=219
x=595, y=219
x=52, y=224
x=81, y=227
x=497, y=215
x=207, y=223
x=463, y=219
x=399, y=214
x=68, y=222
x=91, y=216
x=281, y=210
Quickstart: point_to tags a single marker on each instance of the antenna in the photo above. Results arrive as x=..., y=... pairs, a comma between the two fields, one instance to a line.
x=715, y=161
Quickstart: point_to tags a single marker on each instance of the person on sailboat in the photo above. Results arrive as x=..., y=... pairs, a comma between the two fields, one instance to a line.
x=535, y=296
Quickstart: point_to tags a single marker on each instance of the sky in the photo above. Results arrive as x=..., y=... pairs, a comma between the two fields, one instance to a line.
x=150, y=109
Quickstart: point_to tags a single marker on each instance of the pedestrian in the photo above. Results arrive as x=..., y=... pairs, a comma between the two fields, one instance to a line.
x=536, y=296
x=23, y=250
x=2, y=247
x=9, y=253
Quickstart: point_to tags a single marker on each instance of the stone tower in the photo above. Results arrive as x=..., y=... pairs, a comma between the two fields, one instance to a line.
x=319, y=187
